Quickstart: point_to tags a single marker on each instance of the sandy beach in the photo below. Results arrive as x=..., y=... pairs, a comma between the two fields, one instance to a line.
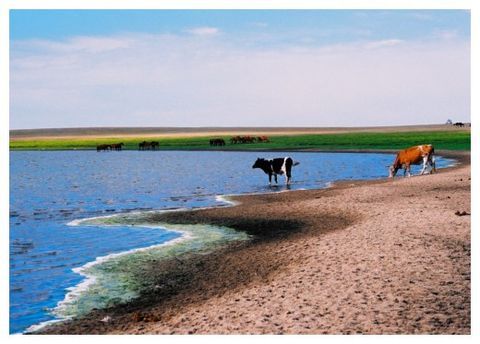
x=377, y=257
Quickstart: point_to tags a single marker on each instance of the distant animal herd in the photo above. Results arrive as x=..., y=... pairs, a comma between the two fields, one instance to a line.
x=248, y=139
x=458, y=124
x=110, y=147
x=144, y=145
x=240, y=140
x=155, y=145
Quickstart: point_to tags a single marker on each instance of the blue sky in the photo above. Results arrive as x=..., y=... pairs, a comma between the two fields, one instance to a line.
x=340, y=25
x=73, y=68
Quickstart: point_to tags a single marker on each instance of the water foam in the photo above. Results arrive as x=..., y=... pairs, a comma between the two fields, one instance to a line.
x=226, y=199
x=200, y=237
x=76, y=292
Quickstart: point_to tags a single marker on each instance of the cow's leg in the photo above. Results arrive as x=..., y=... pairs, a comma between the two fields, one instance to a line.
x=288, y=170
x=432, y=164
x=269, y=179
x=276, y=180
x=407, y=170
x=425, y=161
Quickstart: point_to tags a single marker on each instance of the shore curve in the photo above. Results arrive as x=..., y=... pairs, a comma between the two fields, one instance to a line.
x=360, y=257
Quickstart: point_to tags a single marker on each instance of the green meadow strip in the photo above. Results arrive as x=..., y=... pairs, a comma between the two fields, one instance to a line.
x=451, y=140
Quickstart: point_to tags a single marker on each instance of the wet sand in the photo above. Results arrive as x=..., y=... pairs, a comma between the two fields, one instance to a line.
x=377, y=257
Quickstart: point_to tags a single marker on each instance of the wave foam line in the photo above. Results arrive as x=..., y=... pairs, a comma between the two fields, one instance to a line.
x=37, y=327
x=79, y=222
x=75, y=292
x=226, y=199
x=188, y=233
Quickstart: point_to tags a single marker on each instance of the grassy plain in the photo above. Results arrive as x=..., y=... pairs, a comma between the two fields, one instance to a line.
x=449, y=139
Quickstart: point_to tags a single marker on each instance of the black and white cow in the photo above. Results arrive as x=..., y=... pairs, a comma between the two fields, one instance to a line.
x=276, y=166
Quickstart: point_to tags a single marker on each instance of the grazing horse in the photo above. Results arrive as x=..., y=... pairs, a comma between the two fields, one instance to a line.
x=276, y=166
x=217, y=142
x=103, y=148
x=242, y=139
x=235, y=139
x=263, y=139
x=117, y=146
x=144, y=145
x=413, y=156
x=247, y=139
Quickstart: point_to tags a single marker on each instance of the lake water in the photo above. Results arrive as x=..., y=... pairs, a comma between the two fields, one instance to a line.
x=49, y=191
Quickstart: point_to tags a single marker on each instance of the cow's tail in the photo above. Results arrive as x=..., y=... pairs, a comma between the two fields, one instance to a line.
x=295, y=163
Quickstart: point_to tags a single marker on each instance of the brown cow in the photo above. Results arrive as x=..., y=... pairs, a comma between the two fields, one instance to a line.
x=413, y=156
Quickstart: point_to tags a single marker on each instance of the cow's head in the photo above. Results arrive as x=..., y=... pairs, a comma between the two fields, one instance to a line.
x=392, y=171
x=258, y=163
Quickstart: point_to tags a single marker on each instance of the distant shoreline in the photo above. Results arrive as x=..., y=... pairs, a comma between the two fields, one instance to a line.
x=103, y=132
x=278, y=139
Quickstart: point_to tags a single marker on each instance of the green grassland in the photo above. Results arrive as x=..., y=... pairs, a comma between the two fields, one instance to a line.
x=450, y=140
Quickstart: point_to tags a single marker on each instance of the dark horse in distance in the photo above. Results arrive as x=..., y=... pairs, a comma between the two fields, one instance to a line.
x=104, y=147
x=153, y=145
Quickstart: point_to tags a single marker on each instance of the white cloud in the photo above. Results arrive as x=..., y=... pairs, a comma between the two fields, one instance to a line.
x=422, y=16
x=446, y=34
x=79, y=44
x=383, y=43
x=160, y=80
x=259, y=24
x=204, y=31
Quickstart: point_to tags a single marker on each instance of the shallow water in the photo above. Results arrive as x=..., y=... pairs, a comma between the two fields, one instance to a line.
x=48, y=190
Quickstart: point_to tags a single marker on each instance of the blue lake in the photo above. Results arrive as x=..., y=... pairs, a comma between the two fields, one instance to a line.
x=48, y=190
